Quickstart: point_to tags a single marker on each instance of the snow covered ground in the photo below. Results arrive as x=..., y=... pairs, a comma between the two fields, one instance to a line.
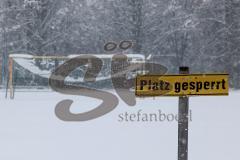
x=29, y=130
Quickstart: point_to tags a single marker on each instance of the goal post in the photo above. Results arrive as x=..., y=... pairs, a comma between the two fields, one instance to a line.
x=10, y=78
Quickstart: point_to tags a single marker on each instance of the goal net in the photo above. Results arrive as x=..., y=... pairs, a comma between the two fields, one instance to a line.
x=27, y=72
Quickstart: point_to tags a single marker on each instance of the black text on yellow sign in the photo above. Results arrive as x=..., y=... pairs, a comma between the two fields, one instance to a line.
x=182, y=85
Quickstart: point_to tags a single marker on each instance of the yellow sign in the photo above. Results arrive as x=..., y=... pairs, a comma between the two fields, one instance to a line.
x=182, y=85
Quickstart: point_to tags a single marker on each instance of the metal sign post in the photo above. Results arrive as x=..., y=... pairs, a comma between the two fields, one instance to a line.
x=183, y=122
x=182, y=85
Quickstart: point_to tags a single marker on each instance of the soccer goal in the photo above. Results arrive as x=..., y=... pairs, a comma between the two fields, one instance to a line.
x=31, y=73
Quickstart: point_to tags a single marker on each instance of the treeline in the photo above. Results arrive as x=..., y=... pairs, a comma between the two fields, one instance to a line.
x=201, y=34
